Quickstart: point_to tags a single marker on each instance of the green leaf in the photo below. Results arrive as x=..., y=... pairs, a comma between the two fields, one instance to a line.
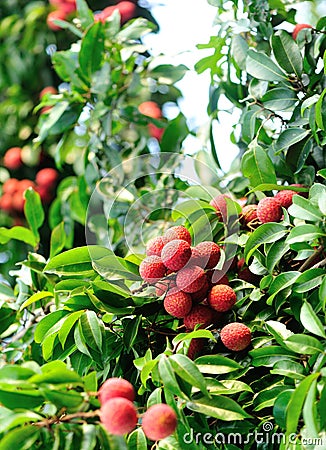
x=89, y=323
x=260, y=66
x=20, y=438
x=131, y=331
x=287, y=53
x=216, y=364
x=168, y=73
x=289, y=369
x=84, y=13
x=19, y=233
x=136, y=29
x=47, y=323
x=296, y=403
x=304, y=233
x=92, y=50
x=289, y=137
x=309, y=411
x=137, y=440
x=174, y=134
x=308, y=280
x=320, y=111
x=279, y=99
x=257, y=166
x=58, y=239
x=239, y=48
x=265, y=234
x=63, y=399
x=67, y=325
x=304, y=344
x=220, y=407
x=168, y=377
x=311, y=321
x=269, y=355
x=33, y=210
x=188, y=371
x=302, y=208
x=13, y=397
x=35, y=298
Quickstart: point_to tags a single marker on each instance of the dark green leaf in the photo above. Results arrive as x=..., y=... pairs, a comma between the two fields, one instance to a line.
x=287, y=53
x=260, y=66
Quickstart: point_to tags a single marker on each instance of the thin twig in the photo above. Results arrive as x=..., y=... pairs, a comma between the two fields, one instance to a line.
x=310, y=261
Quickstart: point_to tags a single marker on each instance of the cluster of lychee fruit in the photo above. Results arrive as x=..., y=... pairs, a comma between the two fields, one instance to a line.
x=118, y=412
x=12, y=199
x=191, y=286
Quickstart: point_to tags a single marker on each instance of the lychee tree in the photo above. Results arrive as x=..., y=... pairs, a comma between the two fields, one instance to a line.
x=203, y=292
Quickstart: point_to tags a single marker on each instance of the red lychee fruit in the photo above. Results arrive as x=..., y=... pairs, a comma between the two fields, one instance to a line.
x=48, y=90
x=221, y=298
x=175, y=254
x=6, y=202
x=116, y=387
x=152, y=269
x=220, y=206
x=199, y=314
x=269, y=210
x=44, y=193
x=249, y=214
x=155, y=131
x=178, y=304
x=217, y=277
x=299, y=27
x=155, y=245
x=58, y=14
x=200, y=295
x=285, y=197
x=191, y=279
x=159, y=421
x=46, y=177
x=245, y=274
x=118, y=415
x=25, y=184
x=18, y=201
x=236, y=336
x=177, y=232
x=206, y=254
x=12, y=159
x=10, y=186
x=195, y=347
x=150, y=109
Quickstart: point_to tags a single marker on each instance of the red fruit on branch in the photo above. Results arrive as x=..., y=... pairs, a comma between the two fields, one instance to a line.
x=199, y=315
x=118, y=415
x=236, y=336
x=155, y=245
x=269, y=210
x=221, y=298
x=206, y=254
x=175, y=254
x=12, y=159
x=178, y=304
x=152, y=269
x=177, y=232
x=191, y=279
x=116, y=387
x=299, y=27
x=159, y=421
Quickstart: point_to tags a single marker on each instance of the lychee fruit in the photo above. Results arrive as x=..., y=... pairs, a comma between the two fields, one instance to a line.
x=118, y=415
x=6, y=202
x=150, y=109
x=220, y=205
x=269, y=210
x=191, y=279
x=221, y=298
x=299, y=27
x=12, y=159
x=177, y=232
x=245, y=273
x=46, y=177
x=10, y=186
x=175, y=254
x=155, y=245
x=159, y=422
x=25, y=184
x=236, y=336
x=195, y=347
x=48, y=90
x=199, y=315
x=217, y=277
x=166, y=285
x=200, y=295
x=116, y=387
x=249, y=214
x=58, y=14
x=18, y=202
x=152, y=269
x=206, y=254
x=178, y=304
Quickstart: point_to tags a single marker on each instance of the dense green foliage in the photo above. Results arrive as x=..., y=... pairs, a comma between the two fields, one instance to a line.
x=76, y=312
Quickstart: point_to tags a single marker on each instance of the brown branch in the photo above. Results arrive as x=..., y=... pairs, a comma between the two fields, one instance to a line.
x=310, y=261
x=321, y=263
x=67, y=418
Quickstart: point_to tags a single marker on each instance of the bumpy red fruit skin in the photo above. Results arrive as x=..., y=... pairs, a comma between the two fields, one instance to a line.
x=159, y=421
x=177, y=232
x=248, y=214
x=206, y=254
x=195, y=347
x=10, y=186
x=220, y=206
x=154, y=246
x=175, y=254
x=269, y=210
x=191, y=279
x=199, y=314
x=217, y=277
x=152, y=269
x=298, y=27
x=118, y=415
x=116, y=387
x=178, y=304
x=166, y=285
x=221, y=298
x=46, y=177
x=12, y=158
x=236, y=336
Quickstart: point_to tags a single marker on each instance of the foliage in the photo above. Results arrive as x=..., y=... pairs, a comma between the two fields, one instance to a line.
x=78, y=312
